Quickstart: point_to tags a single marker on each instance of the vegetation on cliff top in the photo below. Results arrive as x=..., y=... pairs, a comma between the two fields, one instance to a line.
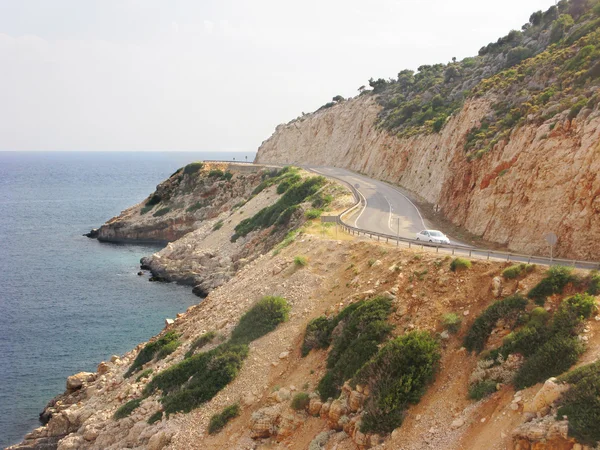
x=549, y=66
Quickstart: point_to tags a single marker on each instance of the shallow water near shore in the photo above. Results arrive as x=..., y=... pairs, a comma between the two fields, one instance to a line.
x=68, y=302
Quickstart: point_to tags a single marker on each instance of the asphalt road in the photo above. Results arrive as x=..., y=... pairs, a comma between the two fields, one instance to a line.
x=390, y=212
x=387, y=210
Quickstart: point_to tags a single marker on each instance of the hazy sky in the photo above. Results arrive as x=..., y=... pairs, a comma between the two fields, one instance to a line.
x=210, y=75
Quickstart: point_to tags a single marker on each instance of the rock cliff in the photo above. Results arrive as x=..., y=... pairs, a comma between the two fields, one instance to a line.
x=544, y=179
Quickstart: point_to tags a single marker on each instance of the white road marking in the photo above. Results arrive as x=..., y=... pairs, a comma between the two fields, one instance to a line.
x=363, y=210
x=390, y=219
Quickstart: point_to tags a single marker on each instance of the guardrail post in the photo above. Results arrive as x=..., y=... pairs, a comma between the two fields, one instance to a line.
x=378, y=237
x=452, y=251
x=470, y=252
x=437, y=249
x=508, y=257
x=488, y=256
x=529, y=259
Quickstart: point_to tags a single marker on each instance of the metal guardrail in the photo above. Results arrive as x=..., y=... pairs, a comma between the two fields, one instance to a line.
x=453, y=248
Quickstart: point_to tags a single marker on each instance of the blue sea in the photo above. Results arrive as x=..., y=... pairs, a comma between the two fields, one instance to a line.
x=68, y=302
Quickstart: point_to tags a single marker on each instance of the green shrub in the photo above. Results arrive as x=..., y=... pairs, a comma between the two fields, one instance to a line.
x=581, y=404
x=145, y=209
x=300, y=401
x=127, y=409
x=460, y=264
x=158, y=415
x=218, y=421
x=167, y=349
x=150, y=350
x=313, y=214
x=193, y=381
x=288, y=182
x=161, y=212
x=261, y=319
x=280, y=212
x=200, y=342
x=515, y=271
x=196, y=206
x=145, y=374
x=218, y=225
x=397, y=377
x=300, y=261
x=594, y=285
x=482, y=389
x=317, y=334
x=365, y=327
x=193, y=168
x=538, y=316
x=216, y=173
x=572, y=312
x=557, y=278
x=227, y=176
x=556, y=356
x=482, y=327
x=452, y=322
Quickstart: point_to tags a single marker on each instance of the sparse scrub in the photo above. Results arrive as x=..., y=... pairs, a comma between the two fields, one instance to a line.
x=145, y=374
x=157, y=416
x=300, y=401
x=312, y=214
x=127, y=409
x=216, y=173
x=458, y=264
x=317, y=335
x=300, y=261
x=151, y=350
x=200, y=342
x=482, y=389
x=162, y=212
x=594, y=284
x=196, y=206
x=398, y=376
x=281, y=211
x=218, y=421
x=218, y=225
x=512, y=272
x=484, y=324
x=452, y=322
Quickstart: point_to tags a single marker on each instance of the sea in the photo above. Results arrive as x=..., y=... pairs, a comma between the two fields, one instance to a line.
x=68, y=302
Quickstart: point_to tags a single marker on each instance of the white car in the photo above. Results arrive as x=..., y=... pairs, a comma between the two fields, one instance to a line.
x=433, y=236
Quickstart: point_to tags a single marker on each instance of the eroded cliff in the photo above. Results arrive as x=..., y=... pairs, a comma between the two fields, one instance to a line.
x=544, y=179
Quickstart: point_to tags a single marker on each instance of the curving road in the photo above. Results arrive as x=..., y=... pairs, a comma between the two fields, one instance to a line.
x=386, y=209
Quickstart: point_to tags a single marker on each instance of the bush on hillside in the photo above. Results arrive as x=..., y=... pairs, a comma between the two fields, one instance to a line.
x=151, y=350
x=216, y=173
x=127, y=409
x=594, y=284
x=557, y=278
x=512, y=272
x=581, y=403
x=200, y=342
x=317, y=334
x=261, y=319
x=161, y=212
x=458, y=264
x=300, y=401
x=397, y=377
x=193, y=168
x=364, y=328
x=158, y=415
x=484, y=324
x=280, y=212
x=218, y=421
x=482, y=389
x=452, y=322
x=300, y=261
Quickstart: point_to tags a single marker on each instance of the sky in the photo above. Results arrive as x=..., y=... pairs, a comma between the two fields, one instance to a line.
x=212, y=75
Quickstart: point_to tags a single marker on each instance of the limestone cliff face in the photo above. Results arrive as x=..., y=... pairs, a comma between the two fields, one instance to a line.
x=544, y=179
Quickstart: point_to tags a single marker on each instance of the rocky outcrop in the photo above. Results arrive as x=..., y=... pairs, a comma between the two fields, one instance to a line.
x=544, y=179
x=182, y=202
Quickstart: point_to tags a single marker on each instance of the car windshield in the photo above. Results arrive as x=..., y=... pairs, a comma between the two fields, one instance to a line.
x=436, y=233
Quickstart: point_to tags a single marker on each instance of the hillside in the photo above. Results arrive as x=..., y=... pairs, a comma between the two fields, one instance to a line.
x=504, y=142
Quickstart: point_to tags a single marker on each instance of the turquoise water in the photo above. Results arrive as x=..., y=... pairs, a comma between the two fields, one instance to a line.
x=68, y=302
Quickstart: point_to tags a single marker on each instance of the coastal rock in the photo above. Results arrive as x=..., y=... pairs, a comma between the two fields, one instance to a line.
x=75, y=382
